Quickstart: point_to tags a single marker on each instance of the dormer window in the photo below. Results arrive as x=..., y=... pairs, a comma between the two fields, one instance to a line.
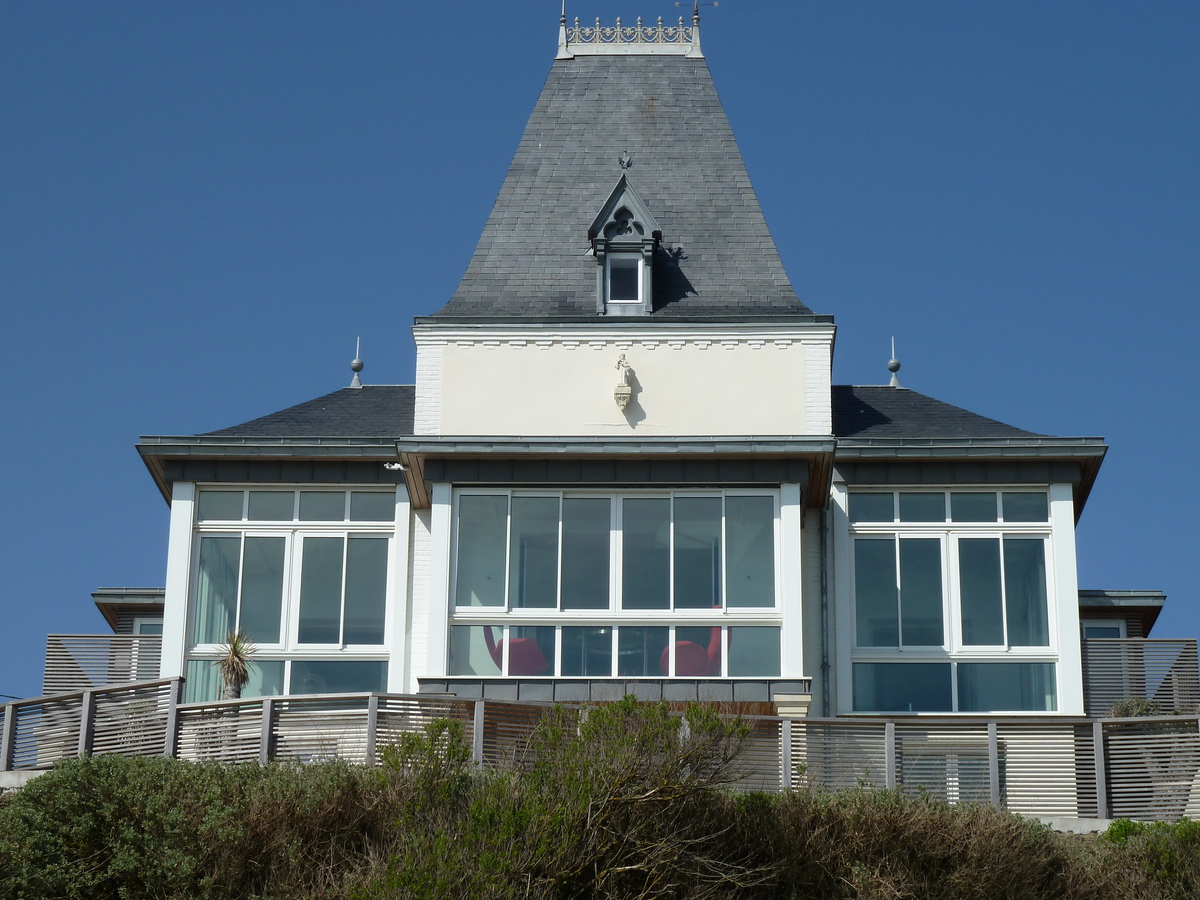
x=624, y=237
x=624, y=278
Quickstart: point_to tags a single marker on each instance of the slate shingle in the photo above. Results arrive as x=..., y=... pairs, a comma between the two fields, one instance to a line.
x=718, y=258
x=382, y=411
x=866, y=412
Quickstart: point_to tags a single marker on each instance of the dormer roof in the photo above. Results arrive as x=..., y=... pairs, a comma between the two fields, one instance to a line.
x=655, y=117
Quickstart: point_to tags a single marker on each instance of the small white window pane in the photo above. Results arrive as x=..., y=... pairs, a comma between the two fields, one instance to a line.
x=476, y=649
x=973, y=507
x=1025, y=592
x=754, y=652
x=698, y=651
x=262, y=589
x=1006, y=687
x=338, y=676
x=643, y=652
x=322, y=506
x=372, y=506
x=750, y=533
x=979, y=583
x=922, y=507
x=482, y=536
x=902, y=687
x=216, y=589
x=875, y=608
x=646, y=553
x=623, y=279
x=531, y=650
x=272, y=506
x=697, y=552
x=586, y=651
x=219, y=506
x=321, y=591
x=533, y=553
x=366, y=589
x=871, y=507
x=1025, y=506
x=586, y=526
x=921, y=592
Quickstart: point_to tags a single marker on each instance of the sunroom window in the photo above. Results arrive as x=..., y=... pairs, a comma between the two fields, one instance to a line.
x=953, y=587
x=634, y=585
x=304, y=574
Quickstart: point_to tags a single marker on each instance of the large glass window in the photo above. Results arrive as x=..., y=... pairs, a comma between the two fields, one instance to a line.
x=579, y=585
x=300, y=572
x=951, y=576
x=558, y=552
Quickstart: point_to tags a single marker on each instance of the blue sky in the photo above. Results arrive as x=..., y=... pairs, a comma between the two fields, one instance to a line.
x=202, y=204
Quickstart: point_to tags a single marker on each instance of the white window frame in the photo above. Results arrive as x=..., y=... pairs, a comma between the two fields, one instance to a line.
x=953, y=650
x=639, y=265
x=288, y=648
x=615, y=615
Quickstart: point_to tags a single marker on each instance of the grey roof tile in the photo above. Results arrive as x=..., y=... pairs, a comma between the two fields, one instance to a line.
x=866, y=412
x=718, y=258
x=377, y=411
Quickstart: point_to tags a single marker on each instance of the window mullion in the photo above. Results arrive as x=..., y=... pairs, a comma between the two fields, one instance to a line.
x=237, y=613
x=559, y=557
x=342, y=605
x=508, y=551
x=671, y=553
x=899, y=587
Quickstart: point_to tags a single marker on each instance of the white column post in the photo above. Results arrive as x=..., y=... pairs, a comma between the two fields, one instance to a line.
x=791, y=581
x=439, y=580
x=179, y=566
x=398, y=606
x=1064, y=599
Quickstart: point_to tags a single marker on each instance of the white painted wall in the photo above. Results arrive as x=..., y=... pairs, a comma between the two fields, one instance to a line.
x=734, y=380
x=179, y=566
x=1064, y=589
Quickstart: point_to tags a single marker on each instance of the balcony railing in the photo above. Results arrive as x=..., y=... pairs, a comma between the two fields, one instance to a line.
x=1160, y=672
x=1147, y=768
x=79, y=662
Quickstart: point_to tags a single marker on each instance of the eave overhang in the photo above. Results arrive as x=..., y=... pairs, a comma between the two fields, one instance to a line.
x=1146, y=604
x=157, y=451
x=416, y=453
x=1087, y=452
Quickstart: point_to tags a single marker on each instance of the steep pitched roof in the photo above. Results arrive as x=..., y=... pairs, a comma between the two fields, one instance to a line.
x=382, y=410
x=718, y=258
x=866, y=412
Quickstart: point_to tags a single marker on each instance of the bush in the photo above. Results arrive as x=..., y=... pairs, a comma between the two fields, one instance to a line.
x=1168, y=854
x=113, y=827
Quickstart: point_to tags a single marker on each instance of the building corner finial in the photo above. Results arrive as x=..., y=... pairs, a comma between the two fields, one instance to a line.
x=356, y=365
x=563, y=51
x=894, y=366
x=695, y=51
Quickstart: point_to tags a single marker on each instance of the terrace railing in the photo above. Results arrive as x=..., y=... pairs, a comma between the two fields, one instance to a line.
x=1147, y=768
x=78, y=662
x=1163, y=672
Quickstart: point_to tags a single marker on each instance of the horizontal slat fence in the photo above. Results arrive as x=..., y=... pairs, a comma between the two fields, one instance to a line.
x=1161, y=671
x=80, y=662
x=1146, y=768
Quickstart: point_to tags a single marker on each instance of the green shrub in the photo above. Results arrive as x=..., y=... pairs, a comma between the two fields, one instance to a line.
x=112, y=827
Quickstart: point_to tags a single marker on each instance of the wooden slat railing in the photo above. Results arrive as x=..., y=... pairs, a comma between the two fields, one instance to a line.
x=1147, y=768
x=1161, y=671
x=80, y=662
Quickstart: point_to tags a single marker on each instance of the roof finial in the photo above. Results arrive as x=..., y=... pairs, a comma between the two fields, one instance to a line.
x=356, y=365
x=563, y=52
x=894, y=366
x=625, y=160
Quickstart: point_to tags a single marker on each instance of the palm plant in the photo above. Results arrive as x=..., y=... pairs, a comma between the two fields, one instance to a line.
x=234, y=664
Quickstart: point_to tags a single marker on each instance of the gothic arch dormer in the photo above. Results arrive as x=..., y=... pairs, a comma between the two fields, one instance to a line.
x=624, y=236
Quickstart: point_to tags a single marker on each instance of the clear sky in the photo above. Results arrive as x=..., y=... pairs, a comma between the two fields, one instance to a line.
x=202, y=204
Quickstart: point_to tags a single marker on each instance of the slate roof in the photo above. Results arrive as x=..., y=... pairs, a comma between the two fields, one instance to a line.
x=859, y=412
x=869, y=412
x=378, y=410
x=717, y=259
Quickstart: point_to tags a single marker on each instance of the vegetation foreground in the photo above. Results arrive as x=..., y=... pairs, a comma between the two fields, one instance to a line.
x=627, y=801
